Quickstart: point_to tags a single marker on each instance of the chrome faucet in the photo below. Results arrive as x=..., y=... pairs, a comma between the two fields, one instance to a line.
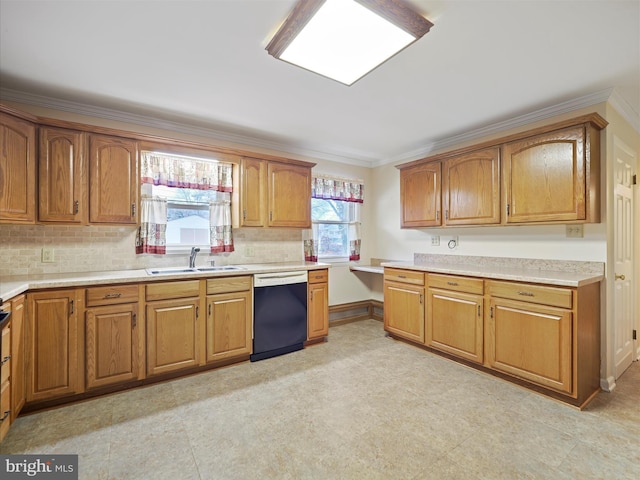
x=192, y=257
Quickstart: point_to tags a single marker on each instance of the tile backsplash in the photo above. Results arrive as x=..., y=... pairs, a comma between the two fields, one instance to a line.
x=98, y=248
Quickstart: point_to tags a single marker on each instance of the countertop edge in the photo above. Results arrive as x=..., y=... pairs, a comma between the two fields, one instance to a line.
x=11, y=287
x=547, y=277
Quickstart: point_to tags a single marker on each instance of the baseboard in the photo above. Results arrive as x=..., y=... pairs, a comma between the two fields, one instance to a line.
x=355, y=311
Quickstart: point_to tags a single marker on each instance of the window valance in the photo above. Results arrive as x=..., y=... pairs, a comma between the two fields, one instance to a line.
x=332, y=188
x=185, y=172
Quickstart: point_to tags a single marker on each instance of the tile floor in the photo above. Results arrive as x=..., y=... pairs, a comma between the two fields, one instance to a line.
x=361, y=406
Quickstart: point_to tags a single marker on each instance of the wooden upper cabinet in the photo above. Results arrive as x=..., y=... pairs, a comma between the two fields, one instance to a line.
x=253, y=191
x=420, y=195
x=62, y=176
x=471, y=188
x=17, y=170
x=289, y=195
x=113, y=180
x=553, y=177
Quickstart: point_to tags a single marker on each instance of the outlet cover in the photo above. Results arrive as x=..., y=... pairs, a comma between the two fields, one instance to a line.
x=575, y=231
x=435, y=240
x=47, y=255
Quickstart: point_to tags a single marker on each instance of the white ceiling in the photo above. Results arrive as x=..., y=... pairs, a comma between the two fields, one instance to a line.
x=203, y=63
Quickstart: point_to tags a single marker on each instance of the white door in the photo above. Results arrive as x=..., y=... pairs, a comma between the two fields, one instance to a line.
x=624, y=306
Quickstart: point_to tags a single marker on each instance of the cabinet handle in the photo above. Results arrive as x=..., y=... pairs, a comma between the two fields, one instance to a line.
x=133, y=209
x=437, y=214
x=402, y=276
x=4, y=417
x=197, y=312
x=526, y=294
x=508, y=208
x=209, y=309
x=244, y=214
x=446, y=214
x=478, y=310
x=311, y=292
x=270, y=216
x=71, y=307
x=113, y=295
x=620, y=277
x=76, y=207
x=5, y=359
x=455, y=284
x=491, y=312
x=420, y=299
x=135, y=320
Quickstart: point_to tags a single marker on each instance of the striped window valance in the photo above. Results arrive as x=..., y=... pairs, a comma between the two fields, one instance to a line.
x=185, y=172
x=333, y=188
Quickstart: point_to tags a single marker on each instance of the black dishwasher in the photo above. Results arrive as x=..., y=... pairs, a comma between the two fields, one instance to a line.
x=279, y=313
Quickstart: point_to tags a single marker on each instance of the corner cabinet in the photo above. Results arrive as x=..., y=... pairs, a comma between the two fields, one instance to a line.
x=318, y=304
x=275, y=194
x=54, y=345
x=229, y=318
x=17, y=170
x=113, y=180
x=404, y=303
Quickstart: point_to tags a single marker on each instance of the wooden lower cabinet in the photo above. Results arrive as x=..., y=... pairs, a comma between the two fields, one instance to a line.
x=111, y=344
x=532, y=342
x=318, y=305
x=172, y=335
x=5, y=379
x=455, y=323
x=55, y=343
x=18, y=355
x=229, y=319
x=404, y=306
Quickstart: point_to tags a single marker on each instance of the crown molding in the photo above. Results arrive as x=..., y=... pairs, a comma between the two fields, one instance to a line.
x=243, y=140
x=499, y=127
x=627, y=112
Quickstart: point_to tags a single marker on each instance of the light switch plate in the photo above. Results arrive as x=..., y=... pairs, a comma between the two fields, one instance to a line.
x=575, y=231
x=435, y=240
x=47, y=255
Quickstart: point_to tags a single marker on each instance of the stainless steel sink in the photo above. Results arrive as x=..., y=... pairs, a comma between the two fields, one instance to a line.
x=178, y=270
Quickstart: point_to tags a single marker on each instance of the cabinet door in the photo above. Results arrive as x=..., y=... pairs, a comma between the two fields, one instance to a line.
x=532, y=342
x=54, y=344
x=404, y=310
x=289, y=195
x=318, y=310
x=172, y=335
x=253, y=191
x=455, y=323
x=111, y=344
x=61, y=176
x=18, y=359
x=229, y=322
x=471, y=188
x=17, y=170
x=544, y=177
x=113, y=185
x=420, y=195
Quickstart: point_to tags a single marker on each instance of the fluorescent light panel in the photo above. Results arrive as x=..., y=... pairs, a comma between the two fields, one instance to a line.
x=344, y=39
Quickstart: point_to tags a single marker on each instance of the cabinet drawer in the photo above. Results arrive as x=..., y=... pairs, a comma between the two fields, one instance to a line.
x=5, y=357
x=228, y=285
x=164, y=291
x=458, y=284
x=318, y=276
x=404, y=276
x=557, y=297
x=111, y=295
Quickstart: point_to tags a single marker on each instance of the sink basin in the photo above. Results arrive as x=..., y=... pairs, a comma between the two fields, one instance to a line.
x=221, y=268
x=170, y=271
x=177, y=270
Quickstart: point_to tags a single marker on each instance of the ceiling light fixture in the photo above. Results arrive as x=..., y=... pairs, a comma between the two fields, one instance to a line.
x=346, y=39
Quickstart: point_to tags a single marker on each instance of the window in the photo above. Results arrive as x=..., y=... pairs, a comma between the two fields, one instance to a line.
x=332, y=220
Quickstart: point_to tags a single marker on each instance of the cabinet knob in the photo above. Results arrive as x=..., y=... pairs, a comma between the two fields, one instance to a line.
x=620, y=277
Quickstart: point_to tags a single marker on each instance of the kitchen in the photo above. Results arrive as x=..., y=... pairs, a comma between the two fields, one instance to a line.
x=86, y=248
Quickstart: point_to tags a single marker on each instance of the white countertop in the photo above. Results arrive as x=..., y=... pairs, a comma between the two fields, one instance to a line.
x=10, y=286
x=529, y=275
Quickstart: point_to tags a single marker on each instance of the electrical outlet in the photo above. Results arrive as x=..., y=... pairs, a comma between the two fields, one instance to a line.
x=47, y=255
x=575, y=231
x=248, y=252
x=435, y=240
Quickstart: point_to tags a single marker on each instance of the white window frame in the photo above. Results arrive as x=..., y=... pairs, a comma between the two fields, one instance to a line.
x=354, y=217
